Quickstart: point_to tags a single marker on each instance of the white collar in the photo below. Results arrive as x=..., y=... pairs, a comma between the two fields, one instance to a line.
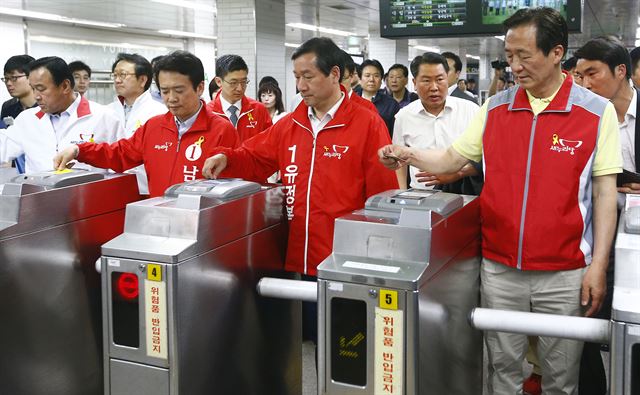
x=73, y=108
x=225, y=105
x=332, y=111
x=633, y=105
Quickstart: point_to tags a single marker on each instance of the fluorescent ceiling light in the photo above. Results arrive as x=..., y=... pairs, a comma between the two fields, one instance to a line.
x=473, y=57
x=55, y=18
x=500, y=37
x=187, y=34
x=320, y=29
x=47, y=39
x=291, y=45
x=427, y=49
x=187, y=4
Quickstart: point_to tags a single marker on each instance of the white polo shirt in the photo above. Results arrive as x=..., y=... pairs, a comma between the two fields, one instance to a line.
x=415, y=127
x=628, y=140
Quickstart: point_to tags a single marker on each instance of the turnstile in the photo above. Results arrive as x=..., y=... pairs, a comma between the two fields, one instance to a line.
x=394, y=297
x=52, y=225
x=181, y=314
x=625, y=313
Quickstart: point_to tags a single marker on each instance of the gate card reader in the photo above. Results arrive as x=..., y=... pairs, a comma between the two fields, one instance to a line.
x=58, y=178
x=220, y=189
x=432, y=200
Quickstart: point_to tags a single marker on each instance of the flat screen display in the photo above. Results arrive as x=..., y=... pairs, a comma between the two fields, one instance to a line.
x=452, y=18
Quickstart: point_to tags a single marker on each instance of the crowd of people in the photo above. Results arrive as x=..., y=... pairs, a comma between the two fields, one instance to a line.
x=543, y=155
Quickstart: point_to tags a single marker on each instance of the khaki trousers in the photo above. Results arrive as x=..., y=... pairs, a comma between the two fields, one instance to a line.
x=550, y=292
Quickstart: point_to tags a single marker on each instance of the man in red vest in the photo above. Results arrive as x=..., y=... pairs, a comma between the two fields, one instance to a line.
x=551, y=153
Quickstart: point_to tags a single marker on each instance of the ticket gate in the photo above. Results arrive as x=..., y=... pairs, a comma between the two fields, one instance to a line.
x=52, y=225
x=625, y=313
x=622, y=332
x=394, y=296
x=181, y=314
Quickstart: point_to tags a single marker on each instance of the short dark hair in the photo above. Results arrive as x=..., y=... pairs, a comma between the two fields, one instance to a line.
x=18, y=63
x=349, y=64
x=398, y=66
x=371, y=62
x=77, y=65
x=635, y=57
x=182, y=62
x=142, y=66
x=269, y=87
x=569, y=63
x=457, y=63
x=213, y=88
x=226, y=64
x=428, y=58
x=269, y=79
x=56, y=66
x=551, y=27
x=154, y=60
x=328, y=55
x=607, y=50
x=471, y=80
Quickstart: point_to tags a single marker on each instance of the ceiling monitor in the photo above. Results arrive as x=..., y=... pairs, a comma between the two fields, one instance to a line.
x=454, y=18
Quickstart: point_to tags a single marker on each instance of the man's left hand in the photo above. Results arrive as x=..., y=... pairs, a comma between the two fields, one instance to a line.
x=432, y=179
x=632, y=187
x=593, y=289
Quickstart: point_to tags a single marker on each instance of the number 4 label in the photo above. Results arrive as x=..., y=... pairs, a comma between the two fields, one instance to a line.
x=388, y=299
x=154, y=272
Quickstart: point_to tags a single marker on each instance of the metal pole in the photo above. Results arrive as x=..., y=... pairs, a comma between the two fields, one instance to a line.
x=307, y=291
x=537, y=324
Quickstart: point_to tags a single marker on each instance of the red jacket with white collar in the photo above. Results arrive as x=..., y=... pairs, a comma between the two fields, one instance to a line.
x=324, y=176
x=253, y=119
x=167, y=158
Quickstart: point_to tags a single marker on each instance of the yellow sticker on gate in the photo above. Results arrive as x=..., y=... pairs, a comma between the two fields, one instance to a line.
x=63, y=171
x=154, y=272
x=388, y=299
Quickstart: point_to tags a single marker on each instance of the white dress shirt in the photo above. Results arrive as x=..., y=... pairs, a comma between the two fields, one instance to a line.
x=415, y=127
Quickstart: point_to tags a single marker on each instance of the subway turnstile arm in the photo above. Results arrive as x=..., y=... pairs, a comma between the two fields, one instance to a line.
x=537, y=324
x=306, y=291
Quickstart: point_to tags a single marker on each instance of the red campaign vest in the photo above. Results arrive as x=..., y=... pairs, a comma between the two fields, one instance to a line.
x=536, y=203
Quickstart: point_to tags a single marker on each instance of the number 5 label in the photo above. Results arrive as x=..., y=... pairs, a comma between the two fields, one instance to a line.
x=388, y=299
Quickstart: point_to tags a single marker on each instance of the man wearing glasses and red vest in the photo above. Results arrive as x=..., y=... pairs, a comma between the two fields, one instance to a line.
x=248, y=116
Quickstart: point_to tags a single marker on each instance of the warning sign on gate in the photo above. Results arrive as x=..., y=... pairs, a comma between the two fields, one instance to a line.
x=156, y=318
x=388, y=368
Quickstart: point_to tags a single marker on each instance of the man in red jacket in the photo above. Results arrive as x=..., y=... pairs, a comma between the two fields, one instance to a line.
x=325, y=151
x=172, y=146
x=248, y=116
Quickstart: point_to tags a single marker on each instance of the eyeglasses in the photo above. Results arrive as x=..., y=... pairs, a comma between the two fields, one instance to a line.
x=234, y=84
x=122, y=75
x=13, y=78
